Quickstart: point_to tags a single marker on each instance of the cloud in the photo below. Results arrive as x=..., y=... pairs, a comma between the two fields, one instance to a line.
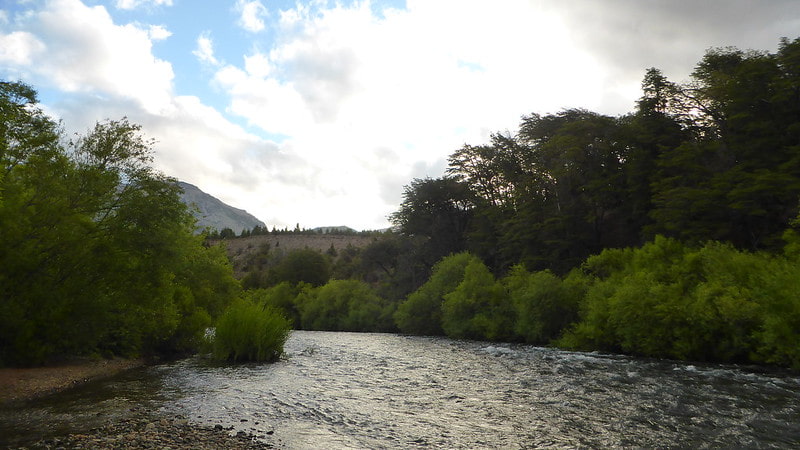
x=205, y=50
x=133, y=4
x=158, y=33
x=79, y=49
x=251, y=14
x=20, y=48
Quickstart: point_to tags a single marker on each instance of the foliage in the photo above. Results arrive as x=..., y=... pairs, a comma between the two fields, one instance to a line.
x=97, y=252
x=544, y=303
x=344, y=305
x=280, y=297
x=421, y=312
x=247, y=331
x=478, y=308
x=269, y=267
x=714, y=303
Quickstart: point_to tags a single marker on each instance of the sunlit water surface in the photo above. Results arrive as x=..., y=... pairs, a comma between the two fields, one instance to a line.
x=349, y=390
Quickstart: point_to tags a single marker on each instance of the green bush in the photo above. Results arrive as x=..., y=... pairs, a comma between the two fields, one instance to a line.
x=250, y=332
x=421, y=312
x=344, y=305
x=281, y=297
x=479, y=307
x=714, y=303
x=544, y=303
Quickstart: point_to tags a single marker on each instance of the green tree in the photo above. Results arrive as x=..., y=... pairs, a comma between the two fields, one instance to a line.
x=300, y=265
x=97, y=252
x=438, y=209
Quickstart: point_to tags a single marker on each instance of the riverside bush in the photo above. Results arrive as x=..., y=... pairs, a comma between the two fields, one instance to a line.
x=714, y=303
x=344, y=305
x=544, y=303
x=479, y=307
x=421, y=312
x=250, y=332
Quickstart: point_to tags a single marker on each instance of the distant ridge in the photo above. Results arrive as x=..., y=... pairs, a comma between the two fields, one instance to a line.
x=212, y=212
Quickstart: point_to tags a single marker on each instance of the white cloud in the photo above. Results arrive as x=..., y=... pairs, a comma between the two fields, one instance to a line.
x=158, y=33
x=133, y=4
x=251, y=15
x=19, y=48
x=205, y=50
x=79, y=48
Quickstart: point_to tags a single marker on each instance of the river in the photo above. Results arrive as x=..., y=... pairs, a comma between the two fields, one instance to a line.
x=360, y=390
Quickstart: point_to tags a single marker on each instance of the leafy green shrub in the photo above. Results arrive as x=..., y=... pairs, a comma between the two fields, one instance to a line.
x=250, y=332
x=344, y=305
x=421, y=312
x=544, y=303
x=281, y=297
x=714, y=303
x=479, y=307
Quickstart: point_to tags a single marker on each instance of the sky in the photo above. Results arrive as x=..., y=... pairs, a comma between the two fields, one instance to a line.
x=319, y=112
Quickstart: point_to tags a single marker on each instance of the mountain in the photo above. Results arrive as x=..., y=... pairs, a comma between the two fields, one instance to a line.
x=213, y=213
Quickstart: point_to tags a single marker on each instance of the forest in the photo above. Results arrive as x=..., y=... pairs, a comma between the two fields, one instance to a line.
x=670, y=232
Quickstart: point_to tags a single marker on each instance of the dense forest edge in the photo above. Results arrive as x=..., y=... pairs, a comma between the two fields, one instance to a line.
x=668, y=232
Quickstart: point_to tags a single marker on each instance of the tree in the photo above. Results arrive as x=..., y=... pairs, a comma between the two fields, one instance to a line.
x=438, y=209
x=97, y=253
x=301, y=265
x=738, y=179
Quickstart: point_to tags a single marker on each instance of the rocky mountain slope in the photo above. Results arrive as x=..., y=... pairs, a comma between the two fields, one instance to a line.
x=213, y=213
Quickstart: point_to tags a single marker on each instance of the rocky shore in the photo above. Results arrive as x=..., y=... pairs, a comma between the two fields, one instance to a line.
x=138, y=430
x=141, y=432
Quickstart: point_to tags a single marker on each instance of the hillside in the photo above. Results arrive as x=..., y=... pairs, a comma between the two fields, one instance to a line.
x=214, y=213
x=240, y=248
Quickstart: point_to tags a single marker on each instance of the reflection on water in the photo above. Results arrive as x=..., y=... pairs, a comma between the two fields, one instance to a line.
x=351, y=390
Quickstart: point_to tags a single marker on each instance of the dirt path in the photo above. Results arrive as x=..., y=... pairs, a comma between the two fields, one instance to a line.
x=24, y=384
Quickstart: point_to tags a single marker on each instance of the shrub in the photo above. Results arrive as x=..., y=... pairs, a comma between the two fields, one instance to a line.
x=479, y=307
x=544, y=303
x=344, y=305
x=421, y=312
x=250, y=332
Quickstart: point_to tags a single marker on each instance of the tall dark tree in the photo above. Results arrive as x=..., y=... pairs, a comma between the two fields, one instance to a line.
x=438, y=209
x=739, y=178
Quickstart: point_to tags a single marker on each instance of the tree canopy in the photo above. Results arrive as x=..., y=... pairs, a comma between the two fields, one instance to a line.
x=97, y=252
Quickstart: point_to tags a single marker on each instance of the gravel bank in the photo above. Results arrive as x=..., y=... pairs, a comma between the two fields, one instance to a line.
x=24, y=384
x=146, y=433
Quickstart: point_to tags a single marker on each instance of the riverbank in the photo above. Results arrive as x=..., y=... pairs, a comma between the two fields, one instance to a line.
x=138, y=430
x=142, y=432
x=17, y=385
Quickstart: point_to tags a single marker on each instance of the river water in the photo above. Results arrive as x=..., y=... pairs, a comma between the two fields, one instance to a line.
x=356, y=390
